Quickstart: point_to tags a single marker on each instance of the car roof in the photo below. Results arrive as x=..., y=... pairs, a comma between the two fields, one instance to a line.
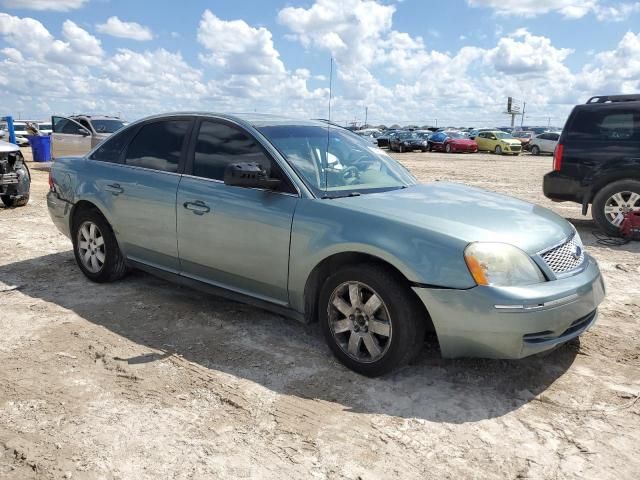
x=256, y=120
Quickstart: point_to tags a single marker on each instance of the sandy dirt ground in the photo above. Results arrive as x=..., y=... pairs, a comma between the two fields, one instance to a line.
x=142, y=379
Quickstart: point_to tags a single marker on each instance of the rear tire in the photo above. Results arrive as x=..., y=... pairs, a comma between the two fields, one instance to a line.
x=398, y=320
x=10, y=201
x=612, y=201
x=92, y=236
x=535, y=150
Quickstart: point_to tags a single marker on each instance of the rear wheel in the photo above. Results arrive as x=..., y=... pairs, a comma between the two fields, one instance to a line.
x=535, y=150
x=612, y=202
x=369, y=319
x=96, y=249
x=401, y=149
x=498, y=150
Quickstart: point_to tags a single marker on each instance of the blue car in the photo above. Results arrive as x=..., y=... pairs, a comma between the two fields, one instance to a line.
x=311, y=221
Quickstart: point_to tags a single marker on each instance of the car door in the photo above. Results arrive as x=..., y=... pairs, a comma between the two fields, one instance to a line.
x=233, y=237
x=138, y=191
x=482, y=141
x=69, y=138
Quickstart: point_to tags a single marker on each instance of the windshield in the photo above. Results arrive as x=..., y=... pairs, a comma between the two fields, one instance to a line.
x=351, y=165
x=107, y=126
x=523, y=135
x=455, y=135
x=503, y=135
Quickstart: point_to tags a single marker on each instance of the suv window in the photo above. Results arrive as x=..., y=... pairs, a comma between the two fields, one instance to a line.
x=605, y=124
x=110, y=150
x=64, y=125
x=158, y=145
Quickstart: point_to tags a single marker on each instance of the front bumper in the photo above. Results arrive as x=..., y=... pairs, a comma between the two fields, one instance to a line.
x=514, y=322
x=464, y=148
x=60, y=213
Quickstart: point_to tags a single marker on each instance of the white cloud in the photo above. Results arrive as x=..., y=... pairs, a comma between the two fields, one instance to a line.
x=236, y=47
x=571, y=9
x=524, y=53
x=56, y=5
x=132, y=30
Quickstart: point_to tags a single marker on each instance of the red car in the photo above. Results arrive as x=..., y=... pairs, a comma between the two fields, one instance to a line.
x=451, y=142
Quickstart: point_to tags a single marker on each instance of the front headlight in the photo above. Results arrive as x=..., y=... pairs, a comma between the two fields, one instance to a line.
x=501, y=265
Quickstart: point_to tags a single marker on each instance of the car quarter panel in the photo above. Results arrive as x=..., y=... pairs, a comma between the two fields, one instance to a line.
x=322, y=228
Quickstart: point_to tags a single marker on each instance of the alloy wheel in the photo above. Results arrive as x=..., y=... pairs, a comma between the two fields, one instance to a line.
x=91, y=247
x=359, y=321
x=618, y=204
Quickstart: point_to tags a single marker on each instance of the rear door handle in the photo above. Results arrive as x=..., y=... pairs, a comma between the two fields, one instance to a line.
x=114, y=188
x=198, y=207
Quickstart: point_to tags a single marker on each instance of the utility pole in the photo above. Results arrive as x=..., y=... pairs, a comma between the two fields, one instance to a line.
x=524, y=107
x=366, y=114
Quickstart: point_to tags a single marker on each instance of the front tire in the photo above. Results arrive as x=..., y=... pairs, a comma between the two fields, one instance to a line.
x=369, y=319
x=498, y=150
x=535, y=150
x=448, y=148
x=612, y=202
x=96, y=248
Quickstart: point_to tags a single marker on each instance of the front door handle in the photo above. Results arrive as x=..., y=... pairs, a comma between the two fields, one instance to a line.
x=114, y=188
x=198, y=207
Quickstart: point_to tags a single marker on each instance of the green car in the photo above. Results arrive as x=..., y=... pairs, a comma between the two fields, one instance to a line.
x=310, y=221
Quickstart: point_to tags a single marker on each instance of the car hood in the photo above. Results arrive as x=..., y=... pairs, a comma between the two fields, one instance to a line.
x=8, y=147
x=511, y=141
x=467, y=214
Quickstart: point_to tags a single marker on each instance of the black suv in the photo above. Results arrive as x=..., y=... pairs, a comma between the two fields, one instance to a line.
x=597, y=160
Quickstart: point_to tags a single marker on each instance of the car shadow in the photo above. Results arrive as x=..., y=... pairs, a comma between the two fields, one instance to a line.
x=281, y=354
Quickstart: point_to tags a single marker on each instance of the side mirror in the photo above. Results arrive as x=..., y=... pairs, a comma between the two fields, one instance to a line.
x=84, y=132
x=249, y=175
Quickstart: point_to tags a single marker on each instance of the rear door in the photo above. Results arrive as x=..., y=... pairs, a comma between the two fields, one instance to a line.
x=138, y=189
x=233, y=237
x=69, y=138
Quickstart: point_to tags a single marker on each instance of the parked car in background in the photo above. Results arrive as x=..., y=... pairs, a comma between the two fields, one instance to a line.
x=597, y=160
x=15, y=178
x=20, y=129
x=451, y=142
x=245, y=206
x=498, y=142
x=544, y=143
x=45, y=128
x=78, y=134
x=385, y=137
x=525, y=138
x=407, y=142
x=474, y=133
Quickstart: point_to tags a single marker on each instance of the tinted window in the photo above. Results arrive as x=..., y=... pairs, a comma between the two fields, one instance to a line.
x=605, y=124
x=158, y=145
x=64, y=125
x=218, y=145
x=554, y=137
x=110, y=149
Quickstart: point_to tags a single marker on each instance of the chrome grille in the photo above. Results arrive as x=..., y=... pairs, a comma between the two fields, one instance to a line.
x=565, y=257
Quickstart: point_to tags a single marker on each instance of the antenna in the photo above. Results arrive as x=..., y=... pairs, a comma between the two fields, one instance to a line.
x=326, y=153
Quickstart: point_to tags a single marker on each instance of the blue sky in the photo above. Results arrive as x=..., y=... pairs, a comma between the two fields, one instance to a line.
x=407, y=61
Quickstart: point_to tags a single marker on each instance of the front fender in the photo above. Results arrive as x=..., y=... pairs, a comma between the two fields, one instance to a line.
x=321, y=229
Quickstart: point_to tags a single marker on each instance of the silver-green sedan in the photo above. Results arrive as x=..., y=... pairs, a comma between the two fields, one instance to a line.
x=309, y=220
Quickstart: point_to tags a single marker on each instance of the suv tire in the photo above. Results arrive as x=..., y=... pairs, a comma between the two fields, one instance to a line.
x=96, y=248
x=605, y=198
x=398, y=321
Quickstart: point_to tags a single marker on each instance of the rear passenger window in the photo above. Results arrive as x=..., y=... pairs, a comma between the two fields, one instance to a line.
x=158, y=145
x=605, y=124
x=219, y=145
x=111, y=149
